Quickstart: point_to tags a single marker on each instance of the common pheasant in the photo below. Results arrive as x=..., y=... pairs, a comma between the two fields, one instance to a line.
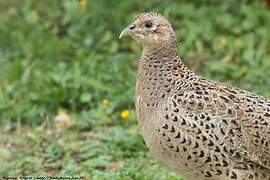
x=201, y=128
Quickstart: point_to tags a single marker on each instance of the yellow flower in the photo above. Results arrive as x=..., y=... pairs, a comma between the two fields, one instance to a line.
x=82, y=2
x=105, y=101
x=124, y=114
x=83, y=175
x=36, y=15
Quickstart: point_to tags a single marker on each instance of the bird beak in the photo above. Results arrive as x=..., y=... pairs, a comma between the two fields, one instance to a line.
x=127, y=31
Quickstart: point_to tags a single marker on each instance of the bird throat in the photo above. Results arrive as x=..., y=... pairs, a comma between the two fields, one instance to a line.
x=155, y=71
x=162, y=54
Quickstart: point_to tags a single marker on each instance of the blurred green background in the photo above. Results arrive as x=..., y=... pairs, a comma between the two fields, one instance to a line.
x=67, y=81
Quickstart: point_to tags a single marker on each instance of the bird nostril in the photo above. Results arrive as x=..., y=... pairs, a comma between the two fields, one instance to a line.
x=132, y=26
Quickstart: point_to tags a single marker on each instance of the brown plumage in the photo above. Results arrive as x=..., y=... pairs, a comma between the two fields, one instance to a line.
x=201, y=128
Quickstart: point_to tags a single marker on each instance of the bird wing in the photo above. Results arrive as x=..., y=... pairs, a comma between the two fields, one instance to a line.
x=236, y=120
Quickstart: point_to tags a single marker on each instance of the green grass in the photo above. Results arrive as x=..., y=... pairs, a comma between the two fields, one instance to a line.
x=103, y=153
x=58, y=56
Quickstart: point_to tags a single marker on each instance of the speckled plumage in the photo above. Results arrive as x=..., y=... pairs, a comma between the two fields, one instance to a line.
x=201, y=128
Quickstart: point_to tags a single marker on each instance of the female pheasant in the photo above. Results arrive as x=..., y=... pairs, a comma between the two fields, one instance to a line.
x=201, y=128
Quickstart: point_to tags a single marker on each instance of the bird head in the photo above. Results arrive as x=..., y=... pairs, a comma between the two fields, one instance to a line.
x=149, y=29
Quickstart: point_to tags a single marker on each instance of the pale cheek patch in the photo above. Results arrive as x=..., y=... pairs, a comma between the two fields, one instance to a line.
x=166, y=37
x=151, y=38
x=157, y=38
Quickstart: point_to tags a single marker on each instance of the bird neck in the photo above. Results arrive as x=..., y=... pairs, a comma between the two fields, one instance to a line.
x=163, y=55
x=155, y=72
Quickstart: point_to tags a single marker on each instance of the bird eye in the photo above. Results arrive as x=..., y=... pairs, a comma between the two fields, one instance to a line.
x=148, y=24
